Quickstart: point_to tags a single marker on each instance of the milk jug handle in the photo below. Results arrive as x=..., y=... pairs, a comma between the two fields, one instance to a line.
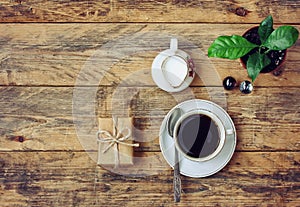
x=174, y=44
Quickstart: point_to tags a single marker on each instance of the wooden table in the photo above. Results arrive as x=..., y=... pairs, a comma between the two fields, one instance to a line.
x=46, y=45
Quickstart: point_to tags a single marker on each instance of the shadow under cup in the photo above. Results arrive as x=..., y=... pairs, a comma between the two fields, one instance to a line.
x=199, y=135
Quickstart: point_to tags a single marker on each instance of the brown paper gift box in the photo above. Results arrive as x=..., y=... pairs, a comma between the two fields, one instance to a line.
x=125, y=153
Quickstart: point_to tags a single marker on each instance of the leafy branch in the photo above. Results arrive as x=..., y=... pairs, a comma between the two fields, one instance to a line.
x=235, y=46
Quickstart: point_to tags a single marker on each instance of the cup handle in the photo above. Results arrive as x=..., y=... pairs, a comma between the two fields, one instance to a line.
x=174, y=44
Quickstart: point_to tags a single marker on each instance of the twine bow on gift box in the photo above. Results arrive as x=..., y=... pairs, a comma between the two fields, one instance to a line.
x=119, y=136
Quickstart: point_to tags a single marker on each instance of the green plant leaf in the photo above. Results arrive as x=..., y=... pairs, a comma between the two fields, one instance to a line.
x=256, y=63
x=282, y=38
x=265, y=28
x=230, y=47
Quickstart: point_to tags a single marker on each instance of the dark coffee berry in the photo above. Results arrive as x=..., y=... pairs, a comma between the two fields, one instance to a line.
x=246, y=87
x=229, y=83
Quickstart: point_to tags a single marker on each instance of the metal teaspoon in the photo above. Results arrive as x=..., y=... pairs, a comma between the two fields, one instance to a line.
x=176, y=181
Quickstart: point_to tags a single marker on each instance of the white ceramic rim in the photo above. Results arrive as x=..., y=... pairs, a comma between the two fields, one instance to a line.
x=158, y=77
x=192, y=168
x=214, y=118
x=164, y=69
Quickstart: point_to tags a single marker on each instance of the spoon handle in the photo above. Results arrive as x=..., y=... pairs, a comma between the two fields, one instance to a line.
x=177, y=180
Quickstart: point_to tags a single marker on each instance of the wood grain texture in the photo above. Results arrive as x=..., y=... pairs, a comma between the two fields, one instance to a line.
x=72, y=179
x=43, y=116
x=52, y=50
x=59, y=54
x=148, y=11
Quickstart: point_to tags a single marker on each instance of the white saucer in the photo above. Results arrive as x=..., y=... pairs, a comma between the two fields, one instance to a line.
x=193, y=168
x=158, y=76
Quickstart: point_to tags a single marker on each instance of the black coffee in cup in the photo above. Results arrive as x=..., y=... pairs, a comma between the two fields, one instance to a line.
x=198, y=136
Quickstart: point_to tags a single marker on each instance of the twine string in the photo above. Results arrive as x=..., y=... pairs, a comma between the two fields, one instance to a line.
x=115, y=138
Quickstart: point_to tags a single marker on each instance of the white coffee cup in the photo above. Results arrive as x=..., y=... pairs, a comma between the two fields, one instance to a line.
x=217, y=142
x=177, y=65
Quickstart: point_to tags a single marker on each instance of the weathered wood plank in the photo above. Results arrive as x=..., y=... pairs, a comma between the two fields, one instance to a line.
x=61, y=54
x=44, y=160
x=42, y=116
x=72, y=179
x=148, y=11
